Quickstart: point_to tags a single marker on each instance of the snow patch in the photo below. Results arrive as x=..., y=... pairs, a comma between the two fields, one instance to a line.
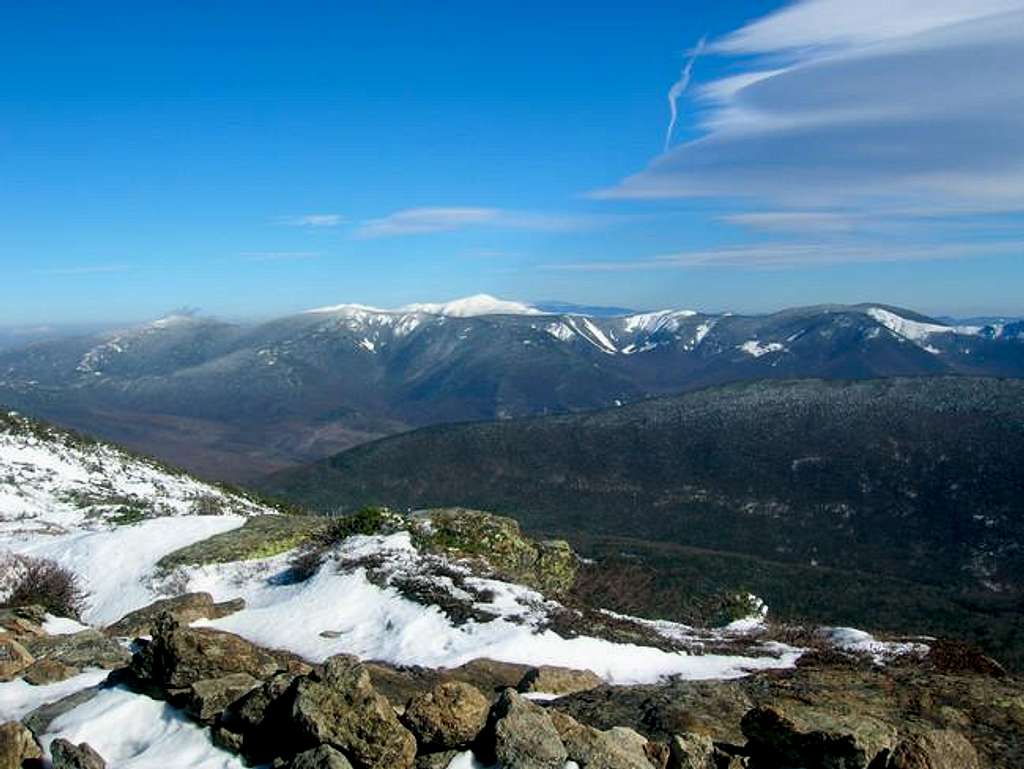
x=757, y=349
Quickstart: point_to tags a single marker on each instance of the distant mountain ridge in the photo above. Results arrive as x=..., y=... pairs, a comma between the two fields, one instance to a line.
x=232, y=400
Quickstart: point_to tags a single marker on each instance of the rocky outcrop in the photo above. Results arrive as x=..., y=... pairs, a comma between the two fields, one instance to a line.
x=550, y=679
x=69, y=756
x=339, y=707
x=549, y=566
x=186, y=609
x=521, y=735
x=449, y=716
x=17, y=746
x=180, y=656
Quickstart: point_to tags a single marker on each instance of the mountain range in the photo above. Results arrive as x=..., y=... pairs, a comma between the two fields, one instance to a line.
x=236, y=401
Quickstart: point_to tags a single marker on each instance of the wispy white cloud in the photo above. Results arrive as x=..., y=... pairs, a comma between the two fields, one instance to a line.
x=313, y=220
x=96, y=269
x=789, y=255
x=793, y=221
x=422, y=221
x=279, y=256
x=679, y=88
x=874, y=106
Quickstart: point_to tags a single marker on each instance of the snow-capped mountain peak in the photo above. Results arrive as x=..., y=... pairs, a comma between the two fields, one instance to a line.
x=466, y=307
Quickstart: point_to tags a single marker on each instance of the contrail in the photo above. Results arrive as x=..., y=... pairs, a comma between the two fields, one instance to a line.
x=679, y=86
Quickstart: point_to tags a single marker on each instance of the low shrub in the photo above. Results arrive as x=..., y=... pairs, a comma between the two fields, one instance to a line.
x=42, y=582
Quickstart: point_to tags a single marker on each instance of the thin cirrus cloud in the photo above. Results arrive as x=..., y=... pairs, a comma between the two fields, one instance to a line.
x=788, y=255
x=871, y=106
x=423, y=221
x=313, y=220
x=279, y=256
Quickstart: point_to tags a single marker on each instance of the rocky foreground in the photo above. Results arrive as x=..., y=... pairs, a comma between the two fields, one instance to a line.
x=950, y=709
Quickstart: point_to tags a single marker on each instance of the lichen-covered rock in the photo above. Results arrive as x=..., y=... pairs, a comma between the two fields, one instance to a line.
x=185, y=608
x=499, y=542
x=617, y=748
x=521, y=735
x=261, y=536
x=340, y=707
x=820, y=740
x=179, y=656
x=551, y=679
x=936, y=749
x=14, y=658
x=84, y=649
x=252, y=724
x=448, y=717
x=210, y=697
x=691, y=751
x=48, y=671
x=17, y=745
x=69, y=756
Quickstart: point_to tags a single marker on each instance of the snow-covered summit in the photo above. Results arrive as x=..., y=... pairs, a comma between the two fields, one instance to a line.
x=52, y=480
x=466, y=307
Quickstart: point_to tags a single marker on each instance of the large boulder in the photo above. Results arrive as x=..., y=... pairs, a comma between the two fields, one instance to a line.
x=23, y=620
x=69, y=756
x=339, y=707
x=447, y=717
x=17, y=745
x=818, y=740
x=617, y=748
x=48, y=671
x=14, y=658
x=210, y=697
x=84, y=649
x=551, y=679
x=521, y=735
x=179, y=656
x=185, y=608
x=937, y=749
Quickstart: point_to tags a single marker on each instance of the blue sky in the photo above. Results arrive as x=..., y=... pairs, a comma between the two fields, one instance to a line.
x=259, y=158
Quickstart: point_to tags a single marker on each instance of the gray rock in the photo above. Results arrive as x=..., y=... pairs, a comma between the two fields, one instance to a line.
x=211, y=696
x=48, y=671
x=448, y=717
x=322, y=757
x=185, y=608
x=69, y=756
x=14, y=658
x=179, y=656
x=819, y=739
x=556, y=680
x=85, y=649
x=618, y=748
x=691, y=751
x=17, y=745
x=435, y=760
x=340, y=707
x=39, y=720
x=938, y=749
x=520, y=735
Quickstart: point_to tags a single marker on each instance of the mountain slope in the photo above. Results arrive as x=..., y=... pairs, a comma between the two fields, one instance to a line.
x=917, y=480
x=236, y=401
